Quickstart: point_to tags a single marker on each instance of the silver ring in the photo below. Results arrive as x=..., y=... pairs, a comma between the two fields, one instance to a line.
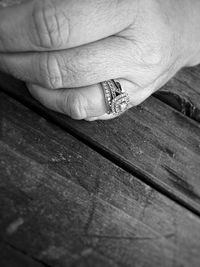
x=116, y=100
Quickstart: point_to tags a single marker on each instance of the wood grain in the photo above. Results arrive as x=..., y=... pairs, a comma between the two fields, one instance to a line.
x=10, y=256
x=153, y=141
x=183, y=92
x=62, y=204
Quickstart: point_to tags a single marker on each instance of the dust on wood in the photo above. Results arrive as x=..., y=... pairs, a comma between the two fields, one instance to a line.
x=80, y=209
x=144, y=140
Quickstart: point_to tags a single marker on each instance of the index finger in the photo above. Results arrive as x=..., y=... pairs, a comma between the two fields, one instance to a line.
x=43, y=25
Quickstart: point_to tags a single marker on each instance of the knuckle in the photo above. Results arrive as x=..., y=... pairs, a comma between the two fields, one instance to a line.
x=54, y=72
x=50, y=25
x=50, y=71
x=151, y=63
x=150, y=55
x=154, y=56
x=75, y=105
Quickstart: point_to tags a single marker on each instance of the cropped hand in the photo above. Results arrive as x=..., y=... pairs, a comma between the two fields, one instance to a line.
x=63, y=49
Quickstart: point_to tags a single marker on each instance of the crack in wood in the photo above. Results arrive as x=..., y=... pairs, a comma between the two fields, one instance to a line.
x=26, y=254
x=185, y=106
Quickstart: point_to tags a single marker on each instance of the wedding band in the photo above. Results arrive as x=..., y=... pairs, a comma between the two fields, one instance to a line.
x=116, y=100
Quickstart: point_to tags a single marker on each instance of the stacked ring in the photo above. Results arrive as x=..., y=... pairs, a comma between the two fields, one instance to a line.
x=116, y=100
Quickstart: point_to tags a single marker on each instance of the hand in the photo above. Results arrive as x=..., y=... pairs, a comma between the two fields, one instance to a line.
x=71, y=46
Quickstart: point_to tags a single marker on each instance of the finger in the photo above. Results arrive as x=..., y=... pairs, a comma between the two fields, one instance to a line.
x=77, y=67
x=84, y=103
x=77, y=103
x=136, y=94
x=57, y=24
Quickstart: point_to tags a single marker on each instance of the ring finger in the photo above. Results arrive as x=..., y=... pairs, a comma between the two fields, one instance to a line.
x=86, y=102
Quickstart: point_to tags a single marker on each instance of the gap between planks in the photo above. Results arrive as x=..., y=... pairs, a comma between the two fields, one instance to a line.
x=55, y=118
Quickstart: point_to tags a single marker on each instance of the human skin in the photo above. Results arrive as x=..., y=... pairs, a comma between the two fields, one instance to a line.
x=63, y=49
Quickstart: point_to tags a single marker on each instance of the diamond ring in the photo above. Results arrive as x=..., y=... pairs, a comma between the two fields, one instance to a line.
x=116, y=100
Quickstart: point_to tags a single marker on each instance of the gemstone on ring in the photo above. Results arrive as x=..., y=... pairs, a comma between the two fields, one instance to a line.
x=120, y=103
x=116, y=100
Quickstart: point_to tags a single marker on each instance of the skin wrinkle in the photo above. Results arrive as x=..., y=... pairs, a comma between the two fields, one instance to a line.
x=140, y=46
x=46, y=9
x=67, y=105
x=50, y=77
x=82, y=107
x=73, y=104
x=153, y=65
x=89, y=64
x=60, y=25
x=72, y=68
x=66, y=24
x=115, y=5
x=34, y=27
x=48, y=22
x=49, y=70
x=38, y=19
x=140, y=41
x=60, y=74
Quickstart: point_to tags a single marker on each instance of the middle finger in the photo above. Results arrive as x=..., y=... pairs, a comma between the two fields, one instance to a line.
x=76, y=67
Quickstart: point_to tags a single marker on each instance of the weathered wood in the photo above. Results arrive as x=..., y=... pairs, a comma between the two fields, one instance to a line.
x=11, y=257
x=153, y=141
x=63, y=204
x=183, y=92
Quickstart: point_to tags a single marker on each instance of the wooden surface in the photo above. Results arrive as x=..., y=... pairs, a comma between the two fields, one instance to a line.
x=153, y=141
x=132, y=202
x=63, y=204
x=119, y=193
x=183, y=92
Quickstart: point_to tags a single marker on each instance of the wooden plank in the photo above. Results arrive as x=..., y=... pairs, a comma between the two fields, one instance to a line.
x=153, y=141
x=10, y=257
x=65, y=205
x=183, y=92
